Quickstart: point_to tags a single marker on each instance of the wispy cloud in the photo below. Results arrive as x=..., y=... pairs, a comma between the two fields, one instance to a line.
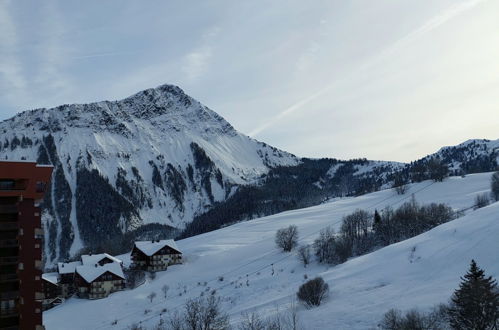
x=427, y=27
x=196, y=62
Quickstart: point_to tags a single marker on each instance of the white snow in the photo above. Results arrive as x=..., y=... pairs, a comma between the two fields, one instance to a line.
x=149, y=248
x=67, y=267
x=127, y=133
x=51, y=277
x=418, y=272
x=92, y=259
x=91, y=272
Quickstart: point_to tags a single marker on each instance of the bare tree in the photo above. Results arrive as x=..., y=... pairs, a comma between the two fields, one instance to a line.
x=304, y=254
x=205, y=314
x=165, y=289
x=287, y=238
x=481, y=200
x=151, y=296
x=251, y=321
x=494, y=185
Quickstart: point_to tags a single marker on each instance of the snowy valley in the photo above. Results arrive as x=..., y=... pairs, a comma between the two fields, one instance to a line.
x=245, y=268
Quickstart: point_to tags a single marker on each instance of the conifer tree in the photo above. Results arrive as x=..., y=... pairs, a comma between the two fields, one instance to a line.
x=475, y=305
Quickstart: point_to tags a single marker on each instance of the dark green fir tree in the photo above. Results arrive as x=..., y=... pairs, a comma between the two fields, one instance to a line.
x=475, y=305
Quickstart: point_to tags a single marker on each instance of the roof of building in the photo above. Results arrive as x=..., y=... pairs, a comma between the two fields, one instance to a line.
x=51, y=277
x=90, y=272
x=149, y=247
x=67, y=267
x=92, y=259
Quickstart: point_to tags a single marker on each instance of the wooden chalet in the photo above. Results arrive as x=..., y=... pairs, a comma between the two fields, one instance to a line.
x=67, y=271
x=51, y=290
x=95, y=281
x=155, y=255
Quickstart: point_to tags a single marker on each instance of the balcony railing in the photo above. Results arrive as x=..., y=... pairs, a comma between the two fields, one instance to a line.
x=8, y=295
x=9, y=225
x=8, y=209
x=8, y=243
x=9, y=260
x=8, y=277
x=9, y=185
x=8, y=312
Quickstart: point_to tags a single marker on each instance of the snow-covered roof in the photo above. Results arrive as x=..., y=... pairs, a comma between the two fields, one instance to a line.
x=92, y=259
x=149, y=247
x=90, y=272
x=51, y=277
x=67, y=267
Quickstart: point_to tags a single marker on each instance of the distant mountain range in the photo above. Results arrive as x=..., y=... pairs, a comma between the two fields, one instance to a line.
x=159, y=163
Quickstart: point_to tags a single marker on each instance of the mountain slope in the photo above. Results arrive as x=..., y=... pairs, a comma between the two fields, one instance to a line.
x=160, y=162
x=157, y=156
x=362, y=289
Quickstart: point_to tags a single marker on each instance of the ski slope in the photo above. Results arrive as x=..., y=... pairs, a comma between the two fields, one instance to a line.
x=418, y=272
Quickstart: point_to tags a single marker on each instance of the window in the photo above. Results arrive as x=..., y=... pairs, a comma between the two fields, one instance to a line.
x=7, y=184
x=40, y=187
x=21, y=266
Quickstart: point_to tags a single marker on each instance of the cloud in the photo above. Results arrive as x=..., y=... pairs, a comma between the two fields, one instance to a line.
x=427, y=27
x=197, y=61
x=11, y=75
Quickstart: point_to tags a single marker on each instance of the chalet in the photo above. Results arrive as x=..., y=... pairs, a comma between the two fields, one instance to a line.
x=66, y=272
x=51, y=290
x=101, y=259
x=96, y=281
x=155, y=255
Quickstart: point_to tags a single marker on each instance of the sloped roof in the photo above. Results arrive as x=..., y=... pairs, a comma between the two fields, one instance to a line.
x=90, y=272
x=51, y=277
x=149, y=248
x=67, y=267
x=92, y=259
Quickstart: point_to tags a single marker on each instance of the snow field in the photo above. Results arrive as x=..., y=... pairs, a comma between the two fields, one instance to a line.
x=418, y=272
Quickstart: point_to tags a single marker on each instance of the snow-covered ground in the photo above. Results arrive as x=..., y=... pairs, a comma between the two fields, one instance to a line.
x=418, y=272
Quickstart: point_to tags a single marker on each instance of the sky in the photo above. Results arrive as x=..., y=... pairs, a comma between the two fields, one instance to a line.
x=385, y=80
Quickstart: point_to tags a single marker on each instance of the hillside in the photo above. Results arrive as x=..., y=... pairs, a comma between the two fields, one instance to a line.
x=159, y=164
x=418, y=272
x=158, y=156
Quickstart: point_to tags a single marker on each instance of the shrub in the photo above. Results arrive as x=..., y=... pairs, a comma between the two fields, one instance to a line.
x=481, y=200
x=413, y=319
x=304, y=254
x=287, y=238
x=494, y=185
x=313, y=292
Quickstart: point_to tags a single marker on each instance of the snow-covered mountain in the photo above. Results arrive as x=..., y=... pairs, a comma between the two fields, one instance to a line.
x=242, y=264
x=157, y=156
x=160, y=160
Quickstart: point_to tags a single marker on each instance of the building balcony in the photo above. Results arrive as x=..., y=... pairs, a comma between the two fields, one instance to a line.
x=8, y=312
x=9, y=295
x=8, y=209
x=9, y=225
x=6, y=243
x=8, y=278
x=13, y=185
x=9, y=260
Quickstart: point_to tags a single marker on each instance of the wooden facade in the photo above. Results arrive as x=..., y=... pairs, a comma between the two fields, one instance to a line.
x=143, y=258
x=100, y=287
